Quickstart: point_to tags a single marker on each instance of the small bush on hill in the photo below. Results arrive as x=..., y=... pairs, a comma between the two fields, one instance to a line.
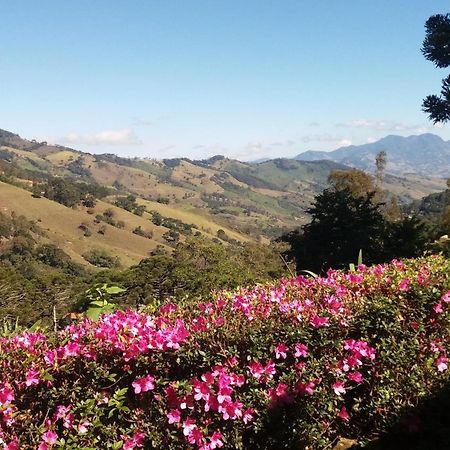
x=144, y=233
x=129, y=204
x=101, y=258
x=108, y=217
x=171, y=223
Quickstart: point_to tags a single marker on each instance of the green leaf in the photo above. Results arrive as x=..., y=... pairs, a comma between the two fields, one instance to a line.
x=314, y=275
x=114, y=290
x=360, y=257
x=99, y=303
x=36, y=325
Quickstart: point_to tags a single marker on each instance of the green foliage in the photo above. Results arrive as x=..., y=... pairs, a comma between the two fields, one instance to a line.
x=343, y=224
x=129, y=204
x=383, y=348
x=163, y=200
x=108, y=217
x=53, y=256
x=97, y=300
x=195, y=268
x=85, y=229
x=69, y=192
x=100, y=258
x=9, y=327
x=436, y=48
x=435, y=210
x=157, y=218
x=171, y=236
x=31, y=289
x=173, y=224
x=144, y=233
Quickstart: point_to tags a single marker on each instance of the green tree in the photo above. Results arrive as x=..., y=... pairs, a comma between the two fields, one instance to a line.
x=436, y=48
x=356, y=181
x=405, y=238
x=380, y=164
x=341, y=225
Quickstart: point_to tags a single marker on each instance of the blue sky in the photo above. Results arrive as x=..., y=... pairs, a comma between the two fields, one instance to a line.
x=194, y=78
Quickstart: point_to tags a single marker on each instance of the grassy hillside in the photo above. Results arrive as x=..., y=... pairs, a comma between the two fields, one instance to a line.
x=247, y=201
x=62, y=226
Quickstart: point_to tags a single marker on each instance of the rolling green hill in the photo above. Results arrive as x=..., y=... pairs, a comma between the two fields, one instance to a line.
x=215, y=197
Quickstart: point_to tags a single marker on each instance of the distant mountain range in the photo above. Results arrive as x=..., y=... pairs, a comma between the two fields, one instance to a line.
x=425, y=154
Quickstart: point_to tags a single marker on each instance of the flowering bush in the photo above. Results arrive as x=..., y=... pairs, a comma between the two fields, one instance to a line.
x=288, y=365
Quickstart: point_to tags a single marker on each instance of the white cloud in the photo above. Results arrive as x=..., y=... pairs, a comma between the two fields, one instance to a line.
x=286, y=143
x=251, y=151
x=344, y=143
x=124, y=136
x=139, y=122
x=382, y=125
x=324, y=137
x=386, y=125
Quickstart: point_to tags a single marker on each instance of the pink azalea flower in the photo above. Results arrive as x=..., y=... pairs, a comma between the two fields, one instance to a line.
x=317, y=321
x=195, y=436
x=355, y=279
x=301, y=350
x=218, y=323
x=404, y=284
x=231, y=410
x=6, y=395
x=188, y=426
x=167, y=309
x=305, y=388
x=174, y=416
x=71, y=349
x=437, y=308
x=446, y=297
x=232, y=361
x=247, y=416
x=61, y=411
x=143, y=384
x=137, y=441
x=32, y=377
x=50, y=358
x=281, y=351
x=201, y=390
x=279, y=394
x=339, y=388
x=13, y=445
x=441, y=363
x=343, y=414
x=355, y=376
x=256, y=369
x=50, y=437
x=83, y=427
x=435, y=346
x=399, y=265
x=216, y=440
x=269, y=370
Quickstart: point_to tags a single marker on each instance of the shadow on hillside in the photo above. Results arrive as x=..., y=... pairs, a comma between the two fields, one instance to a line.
x=426, y=427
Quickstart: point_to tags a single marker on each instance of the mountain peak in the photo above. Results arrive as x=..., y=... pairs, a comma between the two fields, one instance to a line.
x=425, y=154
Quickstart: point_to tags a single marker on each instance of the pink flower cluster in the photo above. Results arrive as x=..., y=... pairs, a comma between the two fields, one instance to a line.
x=213, y=393
x=194, y=370
x=124, y=334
